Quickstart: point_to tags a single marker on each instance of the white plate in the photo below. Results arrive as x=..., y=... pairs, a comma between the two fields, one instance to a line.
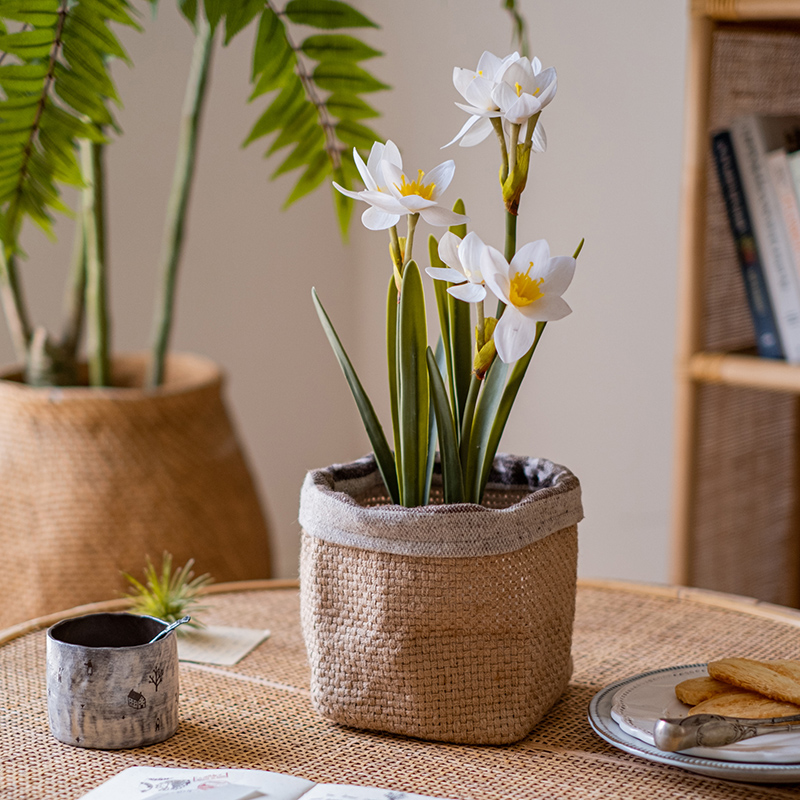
x=608, y=729
x=643, y=700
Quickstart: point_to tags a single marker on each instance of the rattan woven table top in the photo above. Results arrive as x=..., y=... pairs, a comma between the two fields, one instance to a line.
x=258, y=713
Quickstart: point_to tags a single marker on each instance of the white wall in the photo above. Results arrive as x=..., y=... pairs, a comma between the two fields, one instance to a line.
x=599, y=394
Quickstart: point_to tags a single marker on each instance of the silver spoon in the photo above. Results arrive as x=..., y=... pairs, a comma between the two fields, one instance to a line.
x=161, y=634
x=713, y=730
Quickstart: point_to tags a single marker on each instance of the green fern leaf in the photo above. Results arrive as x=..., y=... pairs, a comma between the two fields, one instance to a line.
x=326, y=14
x=346, y=105
x=356, y=135
x=28, y=44
x=315, y=173
x=240, y=16
x=301, y=124
x=345, y=77
x=37, y=13
x=23, y=78
x=337, y=47
x=280, y=111
x=306, y=148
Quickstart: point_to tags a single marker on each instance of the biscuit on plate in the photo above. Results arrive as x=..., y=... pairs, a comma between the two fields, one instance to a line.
x=779, y=680
x=695, y=690
x=748, y=705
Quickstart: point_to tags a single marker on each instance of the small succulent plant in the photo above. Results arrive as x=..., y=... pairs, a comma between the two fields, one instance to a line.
x=169, y=595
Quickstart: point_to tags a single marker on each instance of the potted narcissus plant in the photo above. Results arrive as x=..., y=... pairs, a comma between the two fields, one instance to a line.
x=106, y=457
x=438, y=576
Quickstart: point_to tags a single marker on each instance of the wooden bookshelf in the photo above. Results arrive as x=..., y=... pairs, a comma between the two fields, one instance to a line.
x=737, y=457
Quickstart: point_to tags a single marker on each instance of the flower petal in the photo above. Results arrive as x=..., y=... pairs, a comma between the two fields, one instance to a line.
x=392, y=177
x=494, y=268
x=558, y=274
x=522, y=109
x=537, y=252
x=549, y=308
x=364, y=171
x=384, y=201
x=415, y=203
x=347, y=192
x=479, y=94
x=480, y=112
x=489, y=65
x=463, y=78
x=539, y=140
x=504, y=96
x=479, y=132
x=468, y=292
x=375, y=219
x=464, y=129
x=469, y=253
x=392, y=154
x=441, y=176
x=514, y=334
x=442, y=217
x=445, y=274
x=448, y=250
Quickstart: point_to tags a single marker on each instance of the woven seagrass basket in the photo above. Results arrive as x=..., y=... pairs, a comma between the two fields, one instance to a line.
x=448, y=622
x=92, y=481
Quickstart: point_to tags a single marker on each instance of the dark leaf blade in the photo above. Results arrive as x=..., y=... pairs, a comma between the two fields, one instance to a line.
x=302, y=153
x=337, y=47
x=377, y=438
x=240, y=15
x=356, y=135
x=28, y=45
x=27, y=78
x=348, y=106
x=326, y=14
x=452, y=482
x=316, y=172
x=414, y=392
x=345, y=77
x=280, y=111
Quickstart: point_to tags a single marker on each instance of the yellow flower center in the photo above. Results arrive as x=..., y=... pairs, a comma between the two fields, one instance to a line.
x=534, y=92
x=416, y=187
x=525, y=290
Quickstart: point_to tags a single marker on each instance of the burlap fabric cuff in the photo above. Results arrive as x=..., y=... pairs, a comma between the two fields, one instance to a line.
x=530, y=498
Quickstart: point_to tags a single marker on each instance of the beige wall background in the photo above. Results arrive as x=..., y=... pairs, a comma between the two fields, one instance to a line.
x=599, y=394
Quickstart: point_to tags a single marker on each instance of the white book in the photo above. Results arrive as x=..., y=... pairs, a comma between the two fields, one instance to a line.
x=753, y=138
x=781, y=176
x=164, y=783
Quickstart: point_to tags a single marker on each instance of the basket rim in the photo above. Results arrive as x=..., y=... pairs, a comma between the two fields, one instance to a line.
x=328, y=511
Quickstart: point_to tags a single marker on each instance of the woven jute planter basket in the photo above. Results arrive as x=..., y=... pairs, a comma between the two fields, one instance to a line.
x=449, y=622
x=92, y=481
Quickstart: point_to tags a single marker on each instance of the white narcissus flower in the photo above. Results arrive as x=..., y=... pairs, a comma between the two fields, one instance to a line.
x=463, y=257
x=476, y=87
x=531, y=287
x=524, y=90
x=391, y=195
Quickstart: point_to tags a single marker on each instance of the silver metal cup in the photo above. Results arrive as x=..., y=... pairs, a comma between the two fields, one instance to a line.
x=108, y=686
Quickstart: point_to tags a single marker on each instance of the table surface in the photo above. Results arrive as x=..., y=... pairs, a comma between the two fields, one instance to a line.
x=258, y=714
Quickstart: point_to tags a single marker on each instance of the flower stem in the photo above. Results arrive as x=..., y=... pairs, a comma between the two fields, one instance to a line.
x=14, y=305
x=481, y=331
x=75, y=298
x=497, y=124
x=94, y=233
x=531, y=127
x=512, y=148
x=179, y=195
x=412, y=224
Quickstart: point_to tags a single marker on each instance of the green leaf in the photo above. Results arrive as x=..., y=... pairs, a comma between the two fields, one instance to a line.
x=490, y=437
x=240, y=15
x=302, y=153
x=37, y=13
x=319, y=168
x=452, y=482
x=302, y=125
x=188, y=9
x=345, y=105
x=117, y=11
x=214, y=10
x=391, y=362
x=91, y=69
x=28, y=44
x=270, y=47
x=280, y=111
x=485, y=412
x=73, y=91
x=28, y=78
x=356, y=135
x=91, y=29
x=326, y=14
x=414, y=392
x=337, y=47
x=377, y=438
x=344, y=77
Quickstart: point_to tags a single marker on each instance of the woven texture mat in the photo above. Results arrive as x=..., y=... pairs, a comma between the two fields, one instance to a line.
x=258, y=713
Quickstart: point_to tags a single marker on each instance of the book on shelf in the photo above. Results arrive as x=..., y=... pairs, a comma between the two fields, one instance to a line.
x=754, y=137
x=167, y=783
x=768, y=338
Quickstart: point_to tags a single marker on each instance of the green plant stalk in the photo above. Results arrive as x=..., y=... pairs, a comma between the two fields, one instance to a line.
x=467, y=419
x=14, y=305
x=75, y=299
x=391, y=362
x=179, y=196
x=452, y=483
x=94, y=233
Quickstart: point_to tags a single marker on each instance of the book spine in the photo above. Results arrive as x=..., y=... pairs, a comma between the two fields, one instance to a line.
x=771, y=240
x=767, y=337
x=783, y=184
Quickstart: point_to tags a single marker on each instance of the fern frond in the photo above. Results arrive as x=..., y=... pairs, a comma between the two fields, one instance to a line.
x=56, y=91
x=318, y=107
